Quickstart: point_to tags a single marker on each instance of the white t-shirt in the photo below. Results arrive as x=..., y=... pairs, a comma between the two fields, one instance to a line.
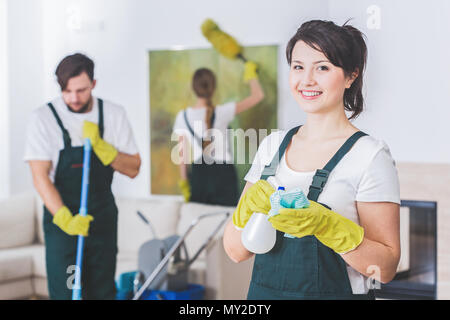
x=366, y=173
x=45, y=138
x=219, y=149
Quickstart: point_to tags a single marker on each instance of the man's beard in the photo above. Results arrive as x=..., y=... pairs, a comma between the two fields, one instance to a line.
x=83, y=109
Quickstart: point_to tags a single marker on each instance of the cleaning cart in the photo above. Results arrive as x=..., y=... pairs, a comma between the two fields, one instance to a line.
x=163, y=266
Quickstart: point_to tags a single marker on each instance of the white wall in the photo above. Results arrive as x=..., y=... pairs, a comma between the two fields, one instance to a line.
x=25, y=83
x=118, y=34
x=4, y=145
x=407, y=86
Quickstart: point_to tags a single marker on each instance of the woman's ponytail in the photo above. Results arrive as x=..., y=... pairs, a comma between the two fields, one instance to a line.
x=204, y=85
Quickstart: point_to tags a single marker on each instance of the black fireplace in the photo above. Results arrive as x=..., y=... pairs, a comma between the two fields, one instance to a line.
x=419, y=280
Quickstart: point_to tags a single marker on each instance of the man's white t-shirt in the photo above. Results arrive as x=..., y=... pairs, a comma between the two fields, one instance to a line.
x=45, y=138
x=220, y=146
x=367, y=173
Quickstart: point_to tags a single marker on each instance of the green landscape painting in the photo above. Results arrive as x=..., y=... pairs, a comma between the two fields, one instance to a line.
x=171, y=73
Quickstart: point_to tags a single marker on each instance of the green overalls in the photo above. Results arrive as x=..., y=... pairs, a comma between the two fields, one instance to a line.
x=212, y=183
x=100, y=247
x=303, y=268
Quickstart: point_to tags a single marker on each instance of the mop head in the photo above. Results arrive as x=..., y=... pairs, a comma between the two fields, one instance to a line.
x=222, y=42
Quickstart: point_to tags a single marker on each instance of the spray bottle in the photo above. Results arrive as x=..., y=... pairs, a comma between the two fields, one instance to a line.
x=258, y=235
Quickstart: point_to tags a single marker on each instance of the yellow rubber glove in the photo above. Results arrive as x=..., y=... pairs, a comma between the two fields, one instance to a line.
x=250, y=69
x=72, y=225
x=185, y=188
x=256, y=199
x=333, y=230
x=104, y=151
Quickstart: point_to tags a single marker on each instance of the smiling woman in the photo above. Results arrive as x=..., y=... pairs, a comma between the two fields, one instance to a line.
x=340, y=62
x=351, y=226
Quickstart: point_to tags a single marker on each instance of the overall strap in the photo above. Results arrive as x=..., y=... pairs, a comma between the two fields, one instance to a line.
x=66, y=136
x=321, y=176
x=100, y=117
x=199, y=140
x=271, y=169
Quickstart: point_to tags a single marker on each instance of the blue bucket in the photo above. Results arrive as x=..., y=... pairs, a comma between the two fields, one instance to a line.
x=193, y=292
x=124, y=285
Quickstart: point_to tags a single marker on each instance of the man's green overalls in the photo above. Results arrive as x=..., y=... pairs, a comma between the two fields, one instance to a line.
x=100, y=247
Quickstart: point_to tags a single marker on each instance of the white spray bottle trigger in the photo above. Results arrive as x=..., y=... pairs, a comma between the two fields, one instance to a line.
x=258, y=235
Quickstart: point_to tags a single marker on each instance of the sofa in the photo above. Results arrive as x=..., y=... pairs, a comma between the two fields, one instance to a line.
x=22, y=250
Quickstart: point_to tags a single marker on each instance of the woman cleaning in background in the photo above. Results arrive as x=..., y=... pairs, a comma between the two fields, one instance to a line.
x=212, y=178
x=351, y=226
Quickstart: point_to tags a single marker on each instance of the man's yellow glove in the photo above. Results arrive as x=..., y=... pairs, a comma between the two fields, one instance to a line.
x=72, y=225
x=333, y=230
x=256, y=199
x=250, y=69
x=104, y=151
x=185, y=188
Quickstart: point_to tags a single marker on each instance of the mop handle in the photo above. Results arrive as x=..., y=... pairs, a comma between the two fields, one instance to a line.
x=76, y=293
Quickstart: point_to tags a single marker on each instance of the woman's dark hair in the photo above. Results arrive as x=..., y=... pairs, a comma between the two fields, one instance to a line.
x=72, y=66
x=344, y=47
x=204, y=85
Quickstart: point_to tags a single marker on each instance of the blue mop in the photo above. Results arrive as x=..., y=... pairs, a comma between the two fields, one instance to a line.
x=76, y=293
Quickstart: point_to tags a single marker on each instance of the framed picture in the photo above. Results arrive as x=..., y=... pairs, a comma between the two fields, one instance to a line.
x=171, y=91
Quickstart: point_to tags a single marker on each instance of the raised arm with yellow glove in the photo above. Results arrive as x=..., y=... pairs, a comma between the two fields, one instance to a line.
x=250, y=71
x=72, y=225
x=104, y=151
x=256, y=199
x=333, y=230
